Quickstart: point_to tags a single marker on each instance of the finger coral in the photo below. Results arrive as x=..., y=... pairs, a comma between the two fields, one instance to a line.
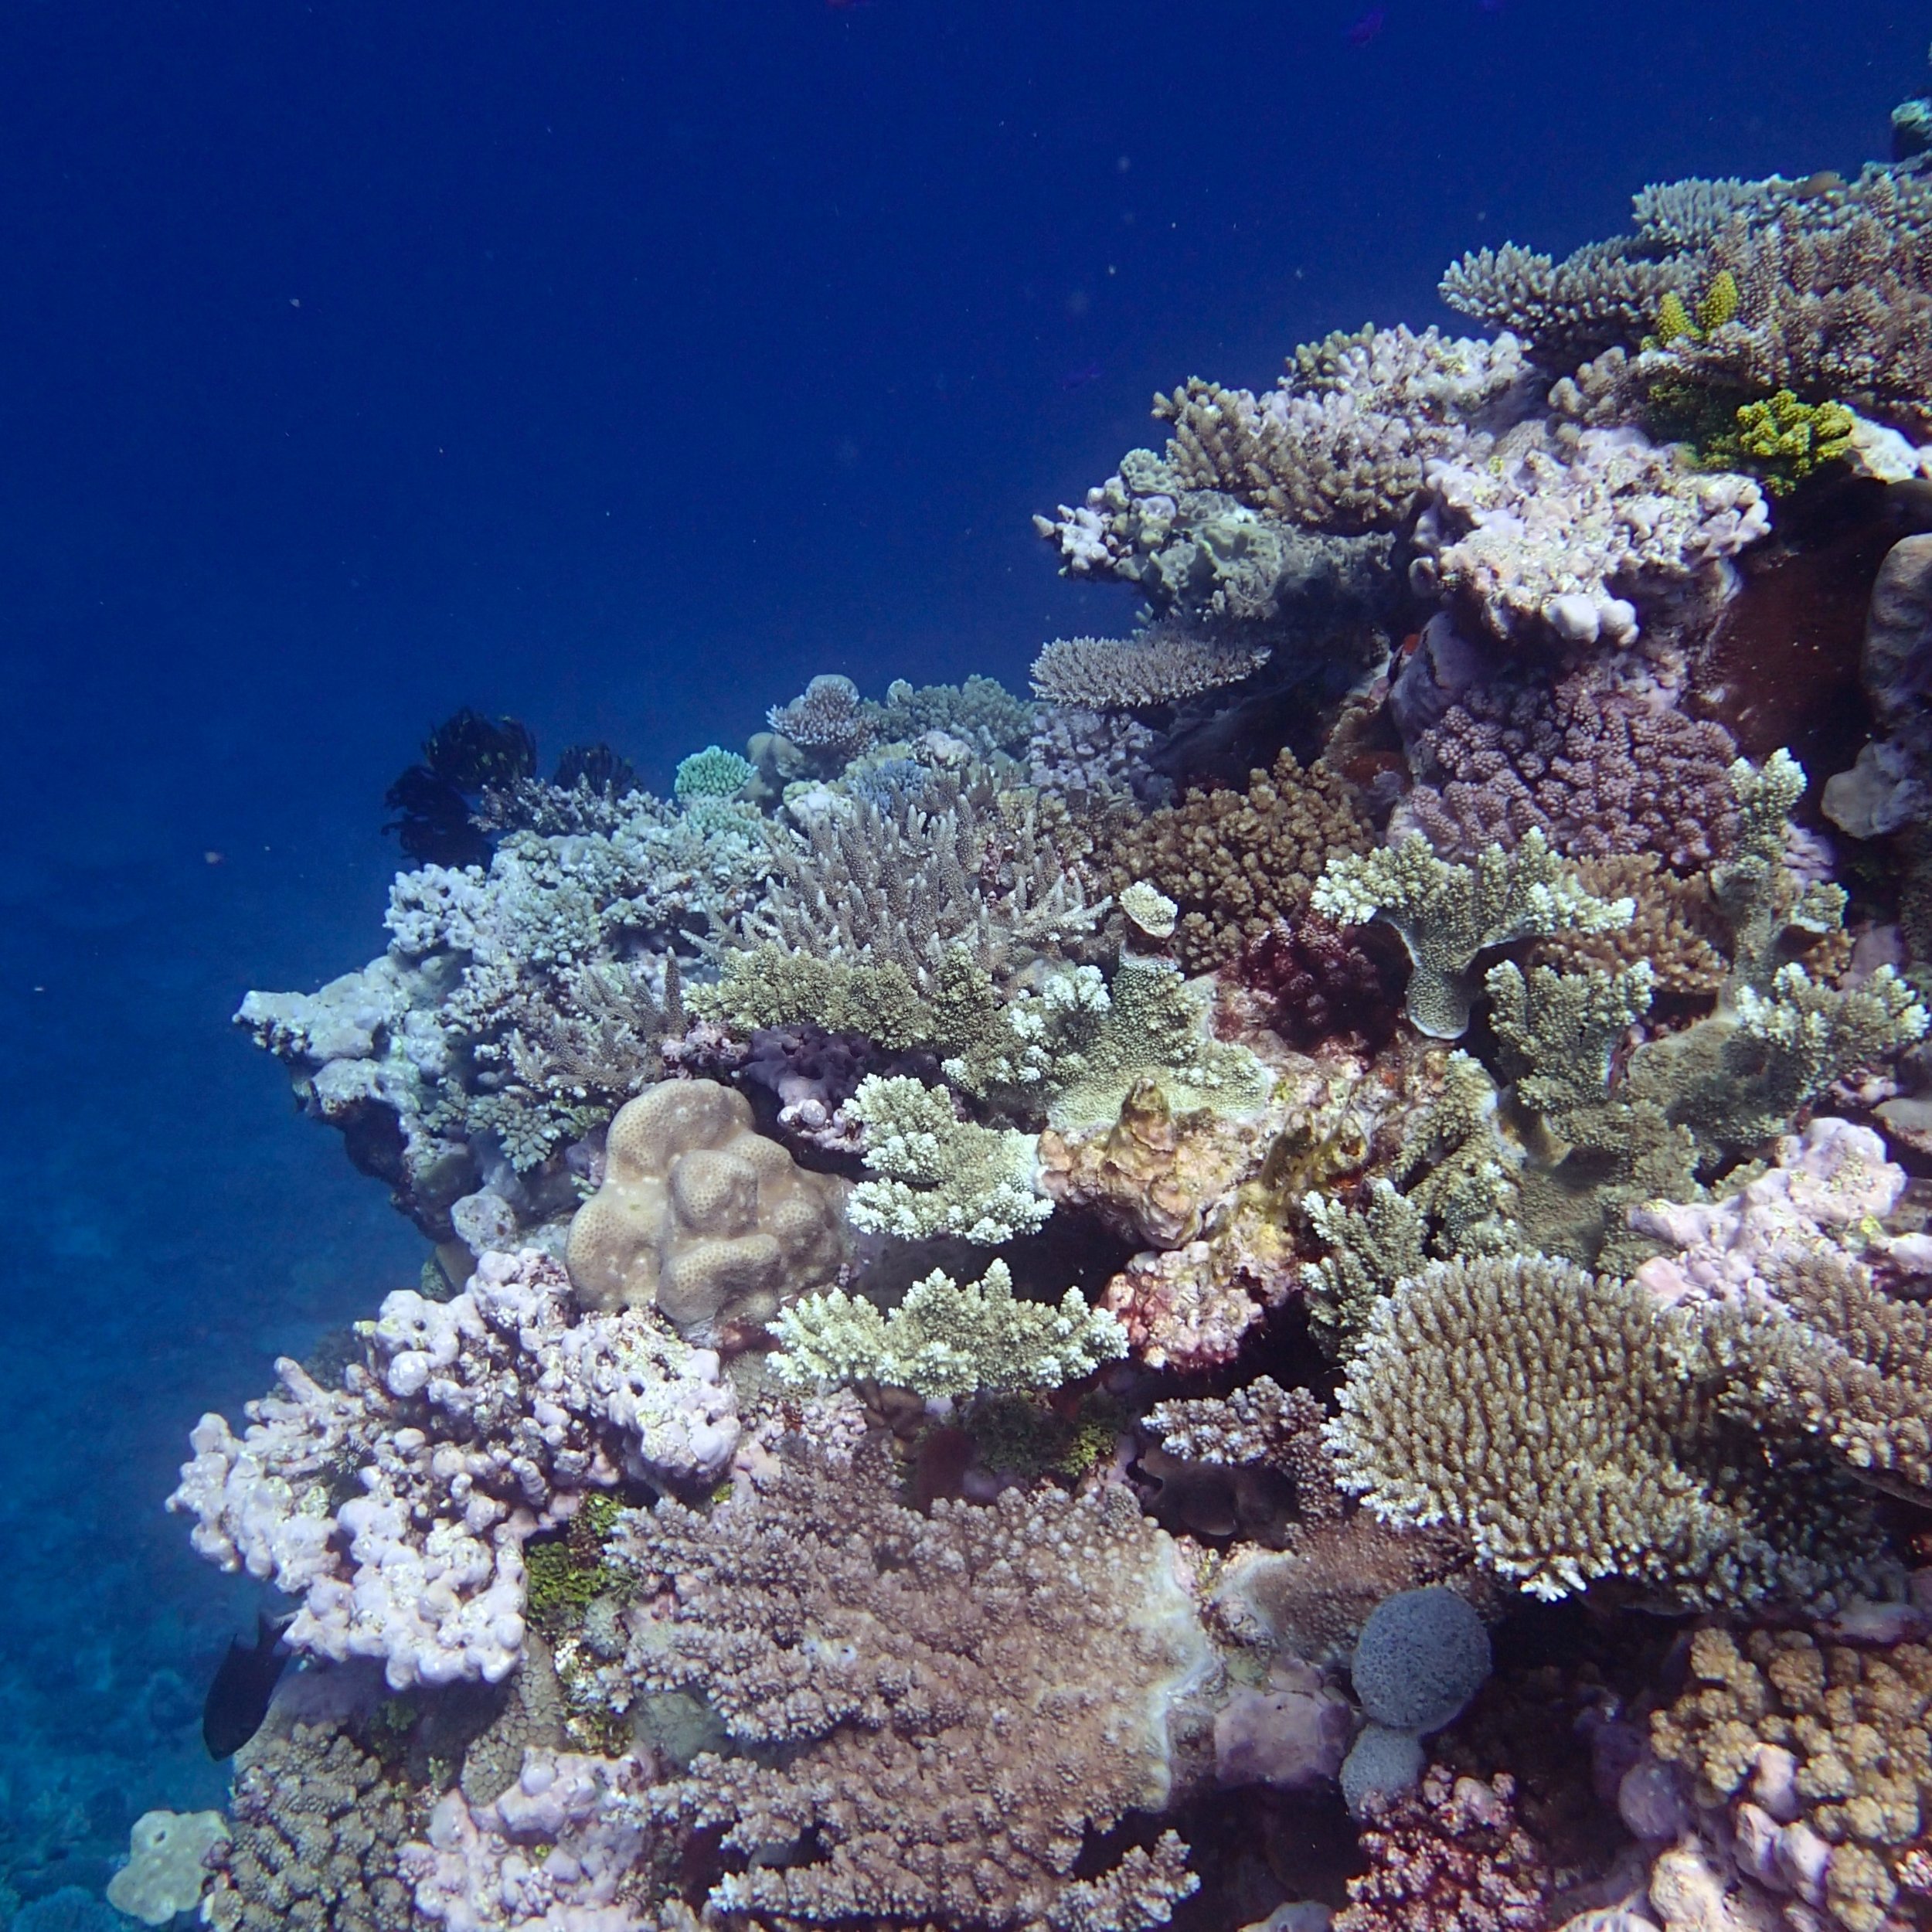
x=1820, y=1755
x=961, y=1699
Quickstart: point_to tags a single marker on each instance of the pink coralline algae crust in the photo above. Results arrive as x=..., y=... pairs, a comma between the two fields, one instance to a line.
x=397, y=1506
x=552, y=1852
x=1598, y=771
x=1828, y=1180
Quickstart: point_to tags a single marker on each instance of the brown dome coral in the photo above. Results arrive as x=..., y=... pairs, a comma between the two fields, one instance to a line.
x=700, y=1216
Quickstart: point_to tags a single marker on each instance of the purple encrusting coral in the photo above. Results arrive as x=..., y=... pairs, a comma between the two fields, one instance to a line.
x=1006, y=1354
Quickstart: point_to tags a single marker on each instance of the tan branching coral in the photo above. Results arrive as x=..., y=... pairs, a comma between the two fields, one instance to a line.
x=1262, y=1422
x=940, y=1707
x=1235, y=861
x=701, y=1216
x=1157, y=667
x=1339, y=444
x=1849, y=1364
x=1676, y=927
x=1544, y=1414
x=1823, y=1755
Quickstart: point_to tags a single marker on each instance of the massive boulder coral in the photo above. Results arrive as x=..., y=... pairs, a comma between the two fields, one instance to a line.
x=396, y=1505
x=701, y=1217
x=939, y=1711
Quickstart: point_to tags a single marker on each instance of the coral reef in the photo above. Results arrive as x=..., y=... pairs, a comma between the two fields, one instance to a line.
x=1119, y=1247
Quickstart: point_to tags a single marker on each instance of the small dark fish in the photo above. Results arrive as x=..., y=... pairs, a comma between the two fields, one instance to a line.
x=1080, y=378
x=238, y=1699
x=1368, y=27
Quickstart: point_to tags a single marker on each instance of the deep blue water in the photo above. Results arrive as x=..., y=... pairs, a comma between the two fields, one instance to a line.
x=619, y=365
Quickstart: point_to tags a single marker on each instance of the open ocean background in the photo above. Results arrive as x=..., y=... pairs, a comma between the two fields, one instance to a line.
x=618, y=365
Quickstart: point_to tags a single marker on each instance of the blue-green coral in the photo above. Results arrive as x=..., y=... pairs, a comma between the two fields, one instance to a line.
x=713, y=773
x=944, y=1339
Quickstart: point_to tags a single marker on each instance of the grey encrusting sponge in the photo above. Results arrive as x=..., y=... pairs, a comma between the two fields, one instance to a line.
x=1421, y=1655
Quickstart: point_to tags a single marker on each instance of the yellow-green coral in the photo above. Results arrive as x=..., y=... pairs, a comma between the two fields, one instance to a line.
x=1782, y=440
x=1718, y=304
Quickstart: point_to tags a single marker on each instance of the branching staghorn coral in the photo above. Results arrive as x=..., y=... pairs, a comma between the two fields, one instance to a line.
x=1541, y=1412
x=938, y=1174
x=943, y=1339
x=1448, y=914
x=1235, y=861
x=766, y=985
x=903, y=888
x=1260, y=1423
x=1156, y=667
x=960, y=1699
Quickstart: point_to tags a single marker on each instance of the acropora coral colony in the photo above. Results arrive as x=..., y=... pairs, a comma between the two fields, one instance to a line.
x=1289, y=1279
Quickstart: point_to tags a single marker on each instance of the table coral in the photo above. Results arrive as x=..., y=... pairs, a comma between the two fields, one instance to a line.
x=943, y=1339
x=397, y=1506
x=700, y=1216
x=1821, y=1757
x=1235, y=861
x=1543, y=1412
x=960, y=1700
x=1449, y=914
x=1139, y=673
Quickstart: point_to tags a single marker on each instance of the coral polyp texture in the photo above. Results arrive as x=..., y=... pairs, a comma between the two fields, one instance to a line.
x=1285, y=1281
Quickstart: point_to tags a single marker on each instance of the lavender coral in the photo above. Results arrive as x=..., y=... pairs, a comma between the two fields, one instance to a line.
x=959, y=1699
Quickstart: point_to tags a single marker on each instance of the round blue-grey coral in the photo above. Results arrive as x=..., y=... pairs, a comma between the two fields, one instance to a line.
x=1382, y=1763
x=1421, y=1656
